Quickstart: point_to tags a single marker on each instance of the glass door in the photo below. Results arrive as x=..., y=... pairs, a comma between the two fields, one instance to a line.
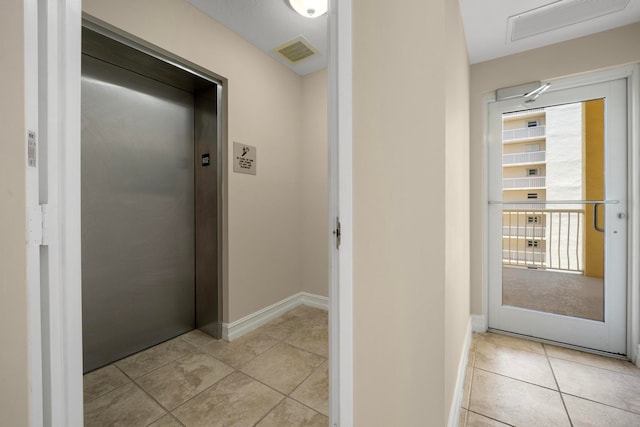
x=557, y=216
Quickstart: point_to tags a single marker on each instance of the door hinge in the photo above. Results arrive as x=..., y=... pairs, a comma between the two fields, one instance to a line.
x=337, y=232
x=40, y=231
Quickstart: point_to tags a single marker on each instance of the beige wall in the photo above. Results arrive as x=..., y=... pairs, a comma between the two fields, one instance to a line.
x=456, y=199
x=314, y=180
x=265, y=104
x=409, y=107
x=13, y=251
x=606, y=49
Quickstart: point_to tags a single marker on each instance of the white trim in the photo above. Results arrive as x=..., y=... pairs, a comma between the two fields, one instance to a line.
x=234, y=330
x=486, y=100
x=33, y=235
x=630, y=72
x=313, y=300
x=590, y=77
x=456, y=402
x=340, y=205
x=59, y=102
x=479, y=323
x=633, y=325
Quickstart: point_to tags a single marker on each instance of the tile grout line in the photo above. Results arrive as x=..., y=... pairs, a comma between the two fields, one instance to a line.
x=198, y=394
x=516, y=379
x=491, y=418
x=200, y=349
x=145, y=392
x=603, y=404
x=473, y=369
x=594, y=366
x=564, y=404
x=270, y=411
x=168, y=411
x=239, y=369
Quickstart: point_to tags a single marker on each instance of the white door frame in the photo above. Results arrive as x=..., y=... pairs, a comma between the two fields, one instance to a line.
x=55, y=334
x=52, y=51
x=632, y=74
x=610, y=334
x=340, y=206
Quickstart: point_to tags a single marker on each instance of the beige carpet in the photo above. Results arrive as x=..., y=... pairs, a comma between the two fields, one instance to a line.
x=553, y=292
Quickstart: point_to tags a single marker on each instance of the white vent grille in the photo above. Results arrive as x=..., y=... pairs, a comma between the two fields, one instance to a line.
x=296, y=50
x=558, y=15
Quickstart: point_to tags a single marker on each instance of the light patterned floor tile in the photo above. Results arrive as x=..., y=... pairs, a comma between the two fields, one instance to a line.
x=516, y=402
x=291, y=413
x=585, y=413
x=513, y=342
x=242, y=350
x=102, y=381
x=167, y=421
x=521, y=365
x=125, y=406
x=314, y=391
x=235, y=401
x=599, y=385
x=283, y=367
x=198, y=338
x=148, y=360
x=477, y=420
x=178, y=381
x=622, y=366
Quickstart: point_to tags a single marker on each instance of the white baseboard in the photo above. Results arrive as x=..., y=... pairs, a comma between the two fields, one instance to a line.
x=234, y=330
x=479, y=323
x=313, y=300
x=454, y=410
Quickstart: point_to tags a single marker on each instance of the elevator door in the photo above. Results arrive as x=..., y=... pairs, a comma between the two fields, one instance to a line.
x=137, y=212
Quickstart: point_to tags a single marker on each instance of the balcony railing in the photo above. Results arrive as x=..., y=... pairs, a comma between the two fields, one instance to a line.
x=523, y=133
x=555, y=241
x=528, y=232
x=530, y=157
x=523, y=258
x=528, y=182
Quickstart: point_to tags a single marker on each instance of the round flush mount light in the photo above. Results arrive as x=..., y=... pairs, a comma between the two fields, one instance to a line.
x=309, y=8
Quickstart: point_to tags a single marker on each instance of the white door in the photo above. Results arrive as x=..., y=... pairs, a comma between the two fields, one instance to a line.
x=557, y=216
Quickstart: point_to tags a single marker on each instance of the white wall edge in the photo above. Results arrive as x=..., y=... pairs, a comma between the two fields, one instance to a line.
x=234, y=330
x=486, y=100
x=633, y=294
x=340, y=114
x=454, y=411
x=479, y=323
x=33, y=236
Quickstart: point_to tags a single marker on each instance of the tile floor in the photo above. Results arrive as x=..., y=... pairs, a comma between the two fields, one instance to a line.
x=274, y=376
x=514, y=382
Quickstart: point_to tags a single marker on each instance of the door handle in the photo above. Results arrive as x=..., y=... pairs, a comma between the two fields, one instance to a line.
x=595, y=217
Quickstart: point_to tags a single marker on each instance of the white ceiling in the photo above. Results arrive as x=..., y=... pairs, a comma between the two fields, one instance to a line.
x=485, y=26
x=269, y=23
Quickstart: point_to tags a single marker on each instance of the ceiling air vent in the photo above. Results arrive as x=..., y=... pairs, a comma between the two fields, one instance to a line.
x=296, y=50
x=558, y=15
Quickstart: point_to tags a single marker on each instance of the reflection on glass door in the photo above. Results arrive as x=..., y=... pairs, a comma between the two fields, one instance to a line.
x=553, y=253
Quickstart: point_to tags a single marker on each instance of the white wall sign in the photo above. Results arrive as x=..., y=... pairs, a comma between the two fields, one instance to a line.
x=244, y=158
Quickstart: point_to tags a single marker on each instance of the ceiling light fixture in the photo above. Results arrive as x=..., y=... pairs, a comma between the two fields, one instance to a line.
x=309, y=8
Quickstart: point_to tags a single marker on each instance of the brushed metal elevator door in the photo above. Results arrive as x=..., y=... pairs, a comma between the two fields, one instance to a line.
x=137, y=212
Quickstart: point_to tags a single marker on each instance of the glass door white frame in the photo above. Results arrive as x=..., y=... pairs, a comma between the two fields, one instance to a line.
x=609, y=335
